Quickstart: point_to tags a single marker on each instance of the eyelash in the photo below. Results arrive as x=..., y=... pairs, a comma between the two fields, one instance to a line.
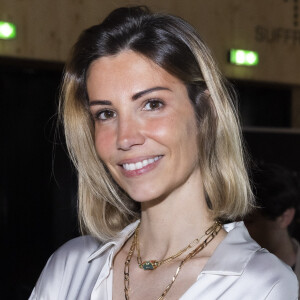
x=98, y=115
x=152, y=101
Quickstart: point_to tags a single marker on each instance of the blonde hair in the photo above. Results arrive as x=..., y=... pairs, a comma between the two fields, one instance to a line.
x=173, y=44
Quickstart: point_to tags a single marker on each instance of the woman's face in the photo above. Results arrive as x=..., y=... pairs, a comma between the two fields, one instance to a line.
x=145, y=127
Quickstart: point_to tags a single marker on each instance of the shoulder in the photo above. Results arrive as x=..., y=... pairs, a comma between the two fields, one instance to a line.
x=82, y=246
x=76, y=250
x=272, y=266
x=272, y=276
x=239, y=254
x=68, y=262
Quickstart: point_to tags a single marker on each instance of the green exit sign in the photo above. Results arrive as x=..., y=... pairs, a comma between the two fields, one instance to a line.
x=7, y=30
x=243, y=57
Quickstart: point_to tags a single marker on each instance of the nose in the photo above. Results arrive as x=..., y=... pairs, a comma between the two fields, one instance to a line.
x=129, y=134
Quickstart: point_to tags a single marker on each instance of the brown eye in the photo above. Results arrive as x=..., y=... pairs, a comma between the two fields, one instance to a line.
x=153, y=105
x=105, y=115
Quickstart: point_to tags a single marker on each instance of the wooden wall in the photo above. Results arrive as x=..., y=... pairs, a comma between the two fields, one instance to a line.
x=48, y=28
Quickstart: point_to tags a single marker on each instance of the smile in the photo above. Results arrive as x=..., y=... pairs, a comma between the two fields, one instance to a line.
x=141, y=164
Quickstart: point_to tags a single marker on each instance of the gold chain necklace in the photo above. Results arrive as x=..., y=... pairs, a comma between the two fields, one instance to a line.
x=153, y=264
x=210, y=232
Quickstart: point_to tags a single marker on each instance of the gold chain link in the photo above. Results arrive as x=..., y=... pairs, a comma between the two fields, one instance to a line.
x=157, y=263
x=211, y=234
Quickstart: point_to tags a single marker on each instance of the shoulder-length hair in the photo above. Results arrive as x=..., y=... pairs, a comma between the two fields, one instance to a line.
x=175, y=46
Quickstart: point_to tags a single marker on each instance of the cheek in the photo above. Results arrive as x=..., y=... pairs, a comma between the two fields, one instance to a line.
x=162, y=130
x=176, y=125
x=104, y=141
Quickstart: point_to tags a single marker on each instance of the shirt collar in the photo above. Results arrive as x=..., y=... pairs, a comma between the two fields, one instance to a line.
x=116, y=243
x=229, y=258
x=233, y=253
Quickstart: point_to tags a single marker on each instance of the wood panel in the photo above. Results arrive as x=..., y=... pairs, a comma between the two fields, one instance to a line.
x=47, y=29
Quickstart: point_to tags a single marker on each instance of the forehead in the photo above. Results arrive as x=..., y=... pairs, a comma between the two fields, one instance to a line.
x=127, y=70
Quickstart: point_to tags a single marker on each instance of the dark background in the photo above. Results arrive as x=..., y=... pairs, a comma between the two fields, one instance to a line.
x=37, y=180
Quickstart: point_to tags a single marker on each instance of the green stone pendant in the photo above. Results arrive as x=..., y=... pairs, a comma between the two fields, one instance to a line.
x=149, y=265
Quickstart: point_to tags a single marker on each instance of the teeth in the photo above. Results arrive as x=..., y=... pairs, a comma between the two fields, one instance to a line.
x=140, y=164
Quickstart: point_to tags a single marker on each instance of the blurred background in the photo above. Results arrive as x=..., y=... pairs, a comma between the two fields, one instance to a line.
x=256, y=44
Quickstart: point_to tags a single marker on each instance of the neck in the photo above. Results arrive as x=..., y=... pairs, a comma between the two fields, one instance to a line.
x=171, y=223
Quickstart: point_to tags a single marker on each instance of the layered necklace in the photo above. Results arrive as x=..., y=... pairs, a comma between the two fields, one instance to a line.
x=210, y=234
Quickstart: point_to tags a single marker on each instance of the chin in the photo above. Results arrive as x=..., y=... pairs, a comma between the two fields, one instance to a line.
x=143, y=198
x=143, y=195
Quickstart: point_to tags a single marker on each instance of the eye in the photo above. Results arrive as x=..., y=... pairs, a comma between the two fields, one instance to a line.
x=105, y=115
x=153, y=104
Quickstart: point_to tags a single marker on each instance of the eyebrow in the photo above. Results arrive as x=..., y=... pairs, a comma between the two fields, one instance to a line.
x=99, y=102
x=134, y=97
x=142, y=93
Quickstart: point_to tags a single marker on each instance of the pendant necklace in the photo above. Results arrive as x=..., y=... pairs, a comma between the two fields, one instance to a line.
x=149, y=265
x=210, y=233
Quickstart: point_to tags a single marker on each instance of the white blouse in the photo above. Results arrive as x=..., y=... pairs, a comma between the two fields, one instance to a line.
x=238, y=269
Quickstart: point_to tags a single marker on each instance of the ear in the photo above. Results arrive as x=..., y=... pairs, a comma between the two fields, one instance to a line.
x=286, y=218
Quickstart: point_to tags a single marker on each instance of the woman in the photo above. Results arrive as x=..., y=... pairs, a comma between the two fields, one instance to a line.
x=154, y=136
